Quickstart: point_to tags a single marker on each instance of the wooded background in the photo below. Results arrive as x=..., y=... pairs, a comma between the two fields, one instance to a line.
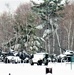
x=36, y=31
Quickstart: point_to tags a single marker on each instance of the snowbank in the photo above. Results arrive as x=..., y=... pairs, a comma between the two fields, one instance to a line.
x=27, y=69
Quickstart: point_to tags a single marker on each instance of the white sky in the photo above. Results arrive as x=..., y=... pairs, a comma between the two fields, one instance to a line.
x=13, y=4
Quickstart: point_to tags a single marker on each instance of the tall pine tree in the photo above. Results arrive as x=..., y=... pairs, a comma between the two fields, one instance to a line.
x=48, y=12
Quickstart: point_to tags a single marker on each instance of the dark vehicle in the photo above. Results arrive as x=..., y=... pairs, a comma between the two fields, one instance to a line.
x=66, y=56
x=24, y=57
x=9, y=57
x=53, y=57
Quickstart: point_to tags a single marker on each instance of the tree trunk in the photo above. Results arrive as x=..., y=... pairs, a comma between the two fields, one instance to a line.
x=69, y=33
x=58, y=40
x=72, y=41
x=49, y=46
x=53, y=42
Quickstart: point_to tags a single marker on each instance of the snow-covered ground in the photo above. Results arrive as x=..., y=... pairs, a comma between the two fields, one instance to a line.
x=27, y=69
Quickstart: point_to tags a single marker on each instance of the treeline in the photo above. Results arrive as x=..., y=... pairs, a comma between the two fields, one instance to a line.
x=33, y=29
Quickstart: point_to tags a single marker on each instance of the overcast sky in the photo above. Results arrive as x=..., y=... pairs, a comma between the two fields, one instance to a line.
x=13, y=4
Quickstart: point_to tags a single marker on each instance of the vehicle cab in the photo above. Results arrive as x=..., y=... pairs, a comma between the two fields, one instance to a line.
x=39, y=58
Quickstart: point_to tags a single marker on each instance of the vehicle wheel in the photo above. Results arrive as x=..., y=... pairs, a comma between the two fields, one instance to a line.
x=27, y=61
x=59, y=60
x=31, y=62
x=15, y=62
x=39, y=62
x=45, y=61
x=21, y=61
x=7, y=60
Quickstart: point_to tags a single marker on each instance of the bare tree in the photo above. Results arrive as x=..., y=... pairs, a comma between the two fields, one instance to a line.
x=68, y=24
x=6, y=27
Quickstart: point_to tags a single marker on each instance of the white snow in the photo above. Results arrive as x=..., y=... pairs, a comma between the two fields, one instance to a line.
x=61, y=55
x=46, y=32
x=27, y=69
x=40, y=27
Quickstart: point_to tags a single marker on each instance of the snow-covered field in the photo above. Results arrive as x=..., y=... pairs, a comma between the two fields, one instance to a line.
x=27, y=69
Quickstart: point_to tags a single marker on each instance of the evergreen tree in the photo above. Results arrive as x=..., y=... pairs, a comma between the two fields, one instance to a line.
x=25, y=32
x=48, y=12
